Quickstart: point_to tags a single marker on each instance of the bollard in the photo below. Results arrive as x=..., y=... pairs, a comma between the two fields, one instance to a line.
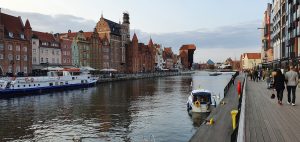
x=233, y=116
x=211, y=121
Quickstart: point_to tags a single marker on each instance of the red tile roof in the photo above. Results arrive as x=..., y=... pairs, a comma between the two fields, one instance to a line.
x=188, y=46
x=168, y=50
x=253, y=55
x=47, y=37
x=12, y=24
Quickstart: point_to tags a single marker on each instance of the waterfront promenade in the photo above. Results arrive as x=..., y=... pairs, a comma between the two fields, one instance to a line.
x=221, y=130
x=266, y=120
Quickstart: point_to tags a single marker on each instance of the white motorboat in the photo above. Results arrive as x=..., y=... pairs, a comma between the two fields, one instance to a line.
x=199, y=101
x=54, y=80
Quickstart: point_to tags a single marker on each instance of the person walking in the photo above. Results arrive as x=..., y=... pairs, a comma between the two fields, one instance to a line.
x=279, y=85
x=292, y=81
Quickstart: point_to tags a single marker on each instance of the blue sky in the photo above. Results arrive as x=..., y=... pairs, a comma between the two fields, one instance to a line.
x=193, y=21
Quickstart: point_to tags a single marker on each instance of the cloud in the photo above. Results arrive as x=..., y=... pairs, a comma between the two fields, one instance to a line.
x=56, y=23
x=216, y=44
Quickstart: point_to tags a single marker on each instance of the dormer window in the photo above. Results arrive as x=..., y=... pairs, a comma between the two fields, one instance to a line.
x=22, y=36
x=10, y=34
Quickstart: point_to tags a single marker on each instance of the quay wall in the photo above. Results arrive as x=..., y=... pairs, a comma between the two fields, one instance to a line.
x=121, y=77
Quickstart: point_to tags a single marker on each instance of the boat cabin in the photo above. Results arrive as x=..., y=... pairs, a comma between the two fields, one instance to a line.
x=202, y=97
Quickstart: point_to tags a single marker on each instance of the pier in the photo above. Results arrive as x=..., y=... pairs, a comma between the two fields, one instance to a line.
x=221, y=130
x=266, y=120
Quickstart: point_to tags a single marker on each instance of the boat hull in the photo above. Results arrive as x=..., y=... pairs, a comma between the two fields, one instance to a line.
x=8, y=92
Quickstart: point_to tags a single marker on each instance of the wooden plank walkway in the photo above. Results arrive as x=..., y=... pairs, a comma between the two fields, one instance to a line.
x=222, y=129
x=266, y=120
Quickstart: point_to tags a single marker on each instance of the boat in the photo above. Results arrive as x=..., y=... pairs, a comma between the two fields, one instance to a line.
x=54, y=80
x=199, y=101
x=215, y=74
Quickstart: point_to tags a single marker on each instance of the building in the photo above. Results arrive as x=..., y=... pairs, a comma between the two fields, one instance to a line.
x=168, y=58
x=15, y=46
x=118, y=36
x=66, y=52
x=141, y=57
x=159, y=60
x=186, y=53
x=250, y=60
x=267, y=49
x=46, y=50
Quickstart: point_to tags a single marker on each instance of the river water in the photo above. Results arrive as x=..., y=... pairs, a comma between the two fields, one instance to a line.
x=135, y=110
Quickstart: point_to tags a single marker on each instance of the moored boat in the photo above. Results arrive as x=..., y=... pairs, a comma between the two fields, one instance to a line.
x=214, y=74
x=199, y=101
x=54, y=80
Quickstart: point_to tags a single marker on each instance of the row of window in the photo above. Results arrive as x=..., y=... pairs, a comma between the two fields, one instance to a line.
x=17, y=69
x=10, y=47
x=46, y=51
x=47, y=60
x=52, y=44
x=66, y=53
x=66, y=60
x=11, y=35
x=10, y=57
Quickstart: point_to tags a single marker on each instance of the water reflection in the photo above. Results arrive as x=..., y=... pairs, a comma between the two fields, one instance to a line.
x=119, y=111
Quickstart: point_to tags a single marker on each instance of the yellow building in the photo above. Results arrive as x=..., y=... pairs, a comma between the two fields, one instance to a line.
x=250, y=60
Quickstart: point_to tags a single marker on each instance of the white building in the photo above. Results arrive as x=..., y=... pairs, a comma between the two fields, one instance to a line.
x=46, y=50
x=159, y=60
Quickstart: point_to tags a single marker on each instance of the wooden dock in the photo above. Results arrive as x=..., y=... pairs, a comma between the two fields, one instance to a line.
x=266, y=120
x=221, y=130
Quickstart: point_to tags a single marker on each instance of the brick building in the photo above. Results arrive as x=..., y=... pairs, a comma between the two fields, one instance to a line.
x=118, y=36
x=15, y=46
x=140, y=57
x=186, y=53
x=66, y=52
x=168, y=57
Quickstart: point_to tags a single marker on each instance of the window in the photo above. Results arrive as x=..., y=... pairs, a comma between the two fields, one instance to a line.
x=1, y=47
x=1, y=56
x=68, y=60
x=57, y=60
x=25, y=57
x=17, y=69
x=53, y=61
x=10, y=34
x=42, y=51
x=57, y=52
x=46, y=60
x=53, y=52
x=34, y=59
x=22, y=36
x=66, y=46
x=17, y=57
x=17, y=47
x=46, y=51
x=10, y=57
x=64, y=60
x=9, y=68
x=44, y=43
x=25, y=69
x=33, y=51
x=33, y=42
x=25, y=49
x=9, y=47
x=42, y=60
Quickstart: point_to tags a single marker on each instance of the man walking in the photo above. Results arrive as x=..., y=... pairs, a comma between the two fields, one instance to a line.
x=292, y=80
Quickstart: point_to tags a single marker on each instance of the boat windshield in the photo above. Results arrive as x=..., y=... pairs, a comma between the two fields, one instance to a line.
x=203, y=97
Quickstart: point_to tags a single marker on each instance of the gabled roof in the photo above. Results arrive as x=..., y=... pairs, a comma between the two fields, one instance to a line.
x=188, y=47
x=253, y=55
x=45, y=37
x=114, y=27
x=210, y=62
x=12, y=24
x=27, y=24
x=134, y=38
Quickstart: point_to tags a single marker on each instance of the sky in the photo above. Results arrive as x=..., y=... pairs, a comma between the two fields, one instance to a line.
x=219, y=28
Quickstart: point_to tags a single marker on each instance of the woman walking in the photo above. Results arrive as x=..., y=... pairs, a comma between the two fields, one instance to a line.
x=279, y=85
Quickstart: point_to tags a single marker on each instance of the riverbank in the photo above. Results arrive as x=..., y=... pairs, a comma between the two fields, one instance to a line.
x=221, y=129
x=123, y=77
